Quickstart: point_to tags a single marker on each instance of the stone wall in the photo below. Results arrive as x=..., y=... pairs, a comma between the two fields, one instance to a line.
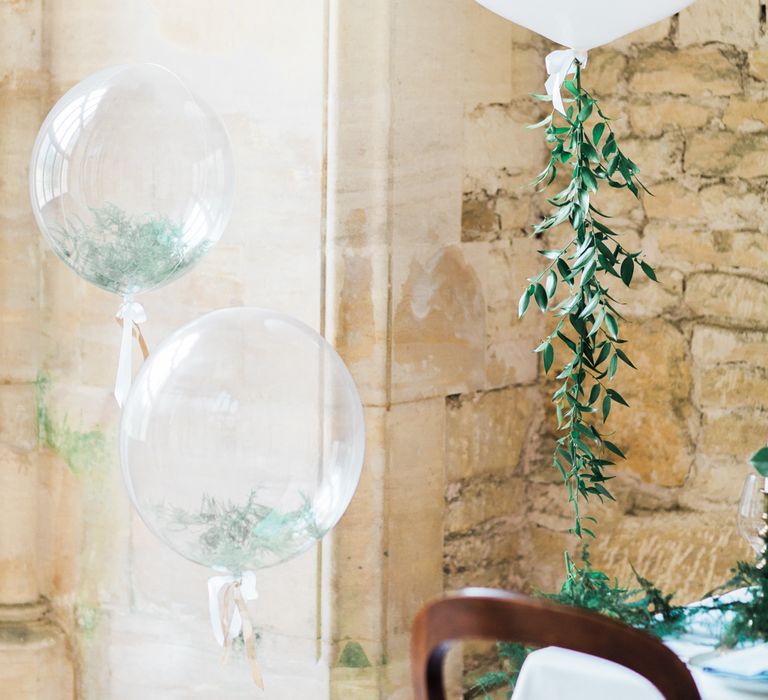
x=412, y=263
x=688, y=97
x=92, y=605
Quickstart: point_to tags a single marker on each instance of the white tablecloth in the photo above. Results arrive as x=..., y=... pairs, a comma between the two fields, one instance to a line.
x=552, y=673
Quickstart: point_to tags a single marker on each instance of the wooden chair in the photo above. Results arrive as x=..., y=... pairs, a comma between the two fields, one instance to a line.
x=481, y=613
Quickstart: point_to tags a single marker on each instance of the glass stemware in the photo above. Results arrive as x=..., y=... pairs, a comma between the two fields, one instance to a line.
x=752, y=506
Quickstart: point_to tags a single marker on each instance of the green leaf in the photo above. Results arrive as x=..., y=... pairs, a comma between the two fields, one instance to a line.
x=624, y=358
x=613, y=326
x=586, y=112
x=597, y=132
x=588, y=151
x=567, y=341
x=597, y=322
x=571, y=87
x=594, y=394
x=540, y=295
x=550, y=254
x=614, y=449
x=759, y=461
x=523, y=303
x=590, y=307
x=551, y=287
x=603, y=356
x=606, y=407
x=589, y=180
x=648, y=270
x=548, y=357
x=627, y=270
x=617, y=397
x=612, y=367
x=543, y=122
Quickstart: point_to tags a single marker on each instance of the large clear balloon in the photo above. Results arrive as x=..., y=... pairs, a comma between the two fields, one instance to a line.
x=584, y=24
x=242, y=439
x=131, y=178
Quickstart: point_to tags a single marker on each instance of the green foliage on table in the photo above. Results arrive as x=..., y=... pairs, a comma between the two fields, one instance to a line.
x=588, y=332
x=643, y=606
x=750, y=618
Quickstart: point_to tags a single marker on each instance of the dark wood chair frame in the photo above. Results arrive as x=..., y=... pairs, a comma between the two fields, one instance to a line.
x=480, y=613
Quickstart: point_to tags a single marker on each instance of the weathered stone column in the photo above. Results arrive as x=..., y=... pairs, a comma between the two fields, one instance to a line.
x=34, y=656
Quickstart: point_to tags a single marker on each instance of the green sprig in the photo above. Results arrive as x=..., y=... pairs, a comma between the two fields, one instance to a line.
x=589, y=325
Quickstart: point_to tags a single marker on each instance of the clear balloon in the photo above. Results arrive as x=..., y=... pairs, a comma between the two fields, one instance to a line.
x=585, y=24
x=131, y=178
x=242, y=439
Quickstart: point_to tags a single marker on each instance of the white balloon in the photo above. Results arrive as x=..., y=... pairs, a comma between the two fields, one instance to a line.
x=584, y=24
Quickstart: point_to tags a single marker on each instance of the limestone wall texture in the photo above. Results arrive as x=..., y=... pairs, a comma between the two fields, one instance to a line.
x=382, y=166
x=688, y=97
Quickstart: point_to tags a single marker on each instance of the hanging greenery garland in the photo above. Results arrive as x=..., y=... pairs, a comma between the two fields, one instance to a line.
x=589, y=327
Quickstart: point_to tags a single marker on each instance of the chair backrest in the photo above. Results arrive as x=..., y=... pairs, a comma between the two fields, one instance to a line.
x=480, y=613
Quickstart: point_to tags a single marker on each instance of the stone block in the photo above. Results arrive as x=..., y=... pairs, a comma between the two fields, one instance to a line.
x=731, y=298
x=688, y=248
x=746, y=114
x=499, y=152
x=727, y=21
x=35, y=662
x=732, y=387
x=695, y=71
x=359, y=564
x=18, y=527
x=681, y=551
x=503, y=269
x=515, y=212
x=487, y=433
x=472, y=503
x=734, y=435
x=649, y=299
x=712, y=346
x=415, y=488
x=672, y=201
x=357, y=282
x=723, y=153
x=658, y=159
x=670, y=114
x=655, y=432
x=438, y=330
x=18, y=419
x=657, y=32
x=605, y=71
x=758, y=64
x=488, y=58
x=479, y=220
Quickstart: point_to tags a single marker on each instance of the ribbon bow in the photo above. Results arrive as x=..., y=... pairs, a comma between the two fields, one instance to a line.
x=129, y=316
x=559, y=66
x=227, y=596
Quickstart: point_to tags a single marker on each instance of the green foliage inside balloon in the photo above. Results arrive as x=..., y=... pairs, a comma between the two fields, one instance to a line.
x=228, y=534
x=123, y=253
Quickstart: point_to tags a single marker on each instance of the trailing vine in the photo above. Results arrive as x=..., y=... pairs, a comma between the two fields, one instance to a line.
x=588, y=329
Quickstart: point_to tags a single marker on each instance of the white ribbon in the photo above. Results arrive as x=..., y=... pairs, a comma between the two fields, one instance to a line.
x=227, y=596
x=129, y=314
x=217, y=586
x=560, y=64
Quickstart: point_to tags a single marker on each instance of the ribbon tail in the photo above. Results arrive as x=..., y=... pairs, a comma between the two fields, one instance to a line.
x=249, y=638
x=124, y=368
